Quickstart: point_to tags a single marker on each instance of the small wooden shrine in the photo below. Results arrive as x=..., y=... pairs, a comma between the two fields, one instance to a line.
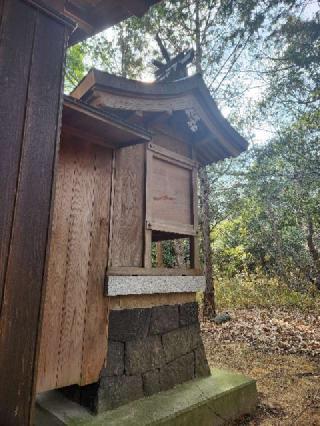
x=127, y=178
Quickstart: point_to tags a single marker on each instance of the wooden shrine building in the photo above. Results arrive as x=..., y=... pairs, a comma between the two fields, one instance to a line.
x=116, y=325
x=34, y=37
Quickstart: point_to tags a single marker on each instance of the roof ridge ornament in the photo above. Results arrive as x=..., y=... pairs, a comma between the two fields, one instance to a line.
x=174, y=68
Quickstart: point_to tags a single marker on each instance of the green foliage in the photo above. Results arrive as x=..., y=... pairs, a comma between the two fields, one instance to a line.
x=75, y=66
x=121, y=50
x=230, y=254
x=263, y=206
x=257, y=290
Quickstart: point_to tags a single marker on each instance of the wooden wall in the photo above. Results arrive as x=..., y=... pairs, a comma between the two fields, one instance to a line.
x=92, y=186
x=74, y=332
x=165, y=137
x=128, y=223
x=171, y=193
x=32, y=46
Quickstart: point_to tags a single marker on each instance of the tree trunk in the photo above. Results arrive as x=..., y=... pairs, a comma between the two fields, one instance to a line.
x=209, y=308
x=314, y=253
x=198, y=38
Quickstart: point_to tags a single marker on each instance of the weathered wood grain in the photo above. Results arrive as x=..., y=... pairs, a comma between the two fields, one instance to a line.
x=96, y=317
x=159, y=255
x=128, y=207
x=17, y=30
x=171, y=193
x=76, y=275
x=169, y=141
x=153, y=271
x=74, y=335
x=194, y=241
x=54, y=300
x=33, y=154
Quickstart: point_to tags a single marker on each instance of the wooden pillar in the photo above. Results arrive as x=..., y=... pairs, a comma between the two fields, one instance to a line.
x=32, y=50
x=159, y=254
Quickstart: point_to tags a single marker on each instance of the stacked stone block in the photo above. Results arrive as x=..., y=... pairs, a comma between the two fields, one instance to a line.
x=150, y=350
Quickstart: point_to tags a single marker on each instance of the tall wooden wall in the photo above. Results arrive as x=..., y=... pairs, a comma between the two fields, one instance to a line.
x=74, y=330
x=32, y=48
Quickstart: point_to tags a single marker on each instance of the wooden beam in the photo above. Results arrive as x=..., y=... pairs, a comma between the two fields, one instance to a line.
x=75, y=133
x=32, y=50
x=153, y=271
x=77, y=15
x=174, y=228
x=157, y=118
x=136, y=7
x=171, y=156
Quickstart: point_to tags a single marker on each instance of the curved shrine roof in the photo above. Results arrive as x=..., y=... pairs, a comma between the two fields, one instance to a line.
x=187, y=101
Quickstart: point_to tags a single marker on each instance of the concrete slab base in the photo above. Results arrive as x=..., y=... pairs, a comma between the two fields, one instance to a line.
x=210, y=401
x=54, y=409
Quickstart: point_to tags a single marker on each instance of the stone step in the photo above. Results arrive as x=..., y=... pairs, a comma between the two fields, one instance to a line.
x=210, y=401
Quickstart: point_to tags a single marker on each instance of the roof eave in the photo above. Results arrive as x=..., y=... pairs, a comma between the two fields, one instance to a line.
x=230, y=141
x=89, y=23
x=130, y=133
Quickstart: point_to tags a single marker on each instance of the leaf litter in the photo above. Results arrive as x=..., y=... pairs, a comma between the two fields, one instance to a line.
x=281, y=350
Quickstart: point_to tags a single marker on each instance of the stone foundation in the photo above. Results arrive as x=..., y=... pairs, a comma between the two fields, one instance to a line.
x=149, y=350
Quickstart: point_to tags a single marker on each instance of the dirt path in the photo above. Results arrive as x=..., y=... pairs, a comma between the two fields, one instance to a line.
x=288, y=383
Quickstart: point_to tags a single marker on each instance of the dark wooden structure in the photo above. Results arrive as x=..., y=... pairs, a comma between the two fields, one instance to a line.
x=126, y=179
x=34, y=37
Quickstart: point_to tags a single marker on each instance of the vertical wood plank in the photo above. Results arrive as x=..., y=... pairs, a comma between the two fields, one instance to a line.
x=96, y=317
x=58, y=253
x=16, y=39
x=1, y=14
x=34, y=150
x=74, y=333
x=77, y=260
x=111, y=210
x=128, y=211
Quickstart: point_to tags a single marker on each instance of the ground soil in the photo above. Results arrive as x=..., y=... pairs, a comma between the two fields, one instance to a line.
x=281, y=350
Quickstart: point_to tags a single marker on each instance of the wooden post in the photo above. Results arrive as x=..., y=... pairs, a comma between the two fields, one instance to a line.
x=148, y=232
x=194, y=241
x=194, y=253
x=159, y=255
x=32, y=50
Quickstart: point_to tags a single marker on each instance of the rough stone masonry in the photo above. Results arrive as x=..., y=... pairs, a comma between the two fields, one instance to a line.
x=149, y=350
